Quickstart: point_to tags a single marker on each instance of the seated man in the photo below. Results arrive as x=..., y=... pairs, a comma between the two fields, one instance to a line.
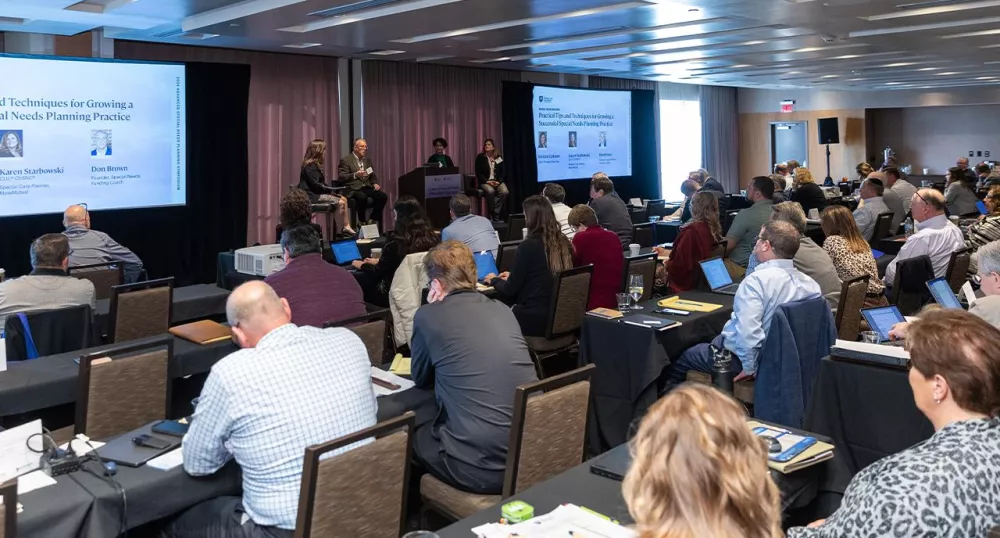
x=611, y=210
x=595, y=245
x=475, y=231
x=288, y=388
x=556, y=195
x=872, y=205
x=88, y=246
x=936, y=236
x=742, y=235
x=811, y=259
x=47, y=287
x=473, y=373
x=774, y=283
x=317, y=291
x=891, y=198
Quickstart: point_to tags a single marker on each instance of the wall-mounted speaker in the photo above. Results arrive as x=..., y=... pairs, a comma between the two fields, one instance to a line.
x=829, y=131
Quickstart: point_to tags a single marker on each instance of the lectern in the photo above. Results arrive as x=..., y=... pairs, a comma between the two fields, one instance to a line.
x=433, y=187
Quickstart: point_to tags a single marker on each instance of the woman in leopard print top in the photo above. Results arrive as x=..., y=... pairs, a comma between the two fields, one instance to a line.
x=949, y=485
x=851, y=255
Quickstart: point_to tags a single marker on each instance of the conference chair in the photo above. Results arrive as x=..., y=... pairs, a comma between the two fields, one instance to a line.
x=571, y=291
x=141, y=309
x=507, y=255
x=361, y=492
x=644, y=266
x=374, y=330
x=643, y=234
x=656, y=208
x=515, y=226
x=547, y=436
x=727, y=221
x=852, y=300
x=958, y=267
x=8, y=510
x=52, y=331
x=995, y=532
x=909, y=289
x=883, y=228
x=104, y=276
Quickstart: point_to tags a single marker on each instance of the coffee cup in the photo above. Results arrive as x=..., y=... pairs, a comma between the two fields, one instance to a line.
x=814, y=213
x=633, y=249
x=524, y=233
x=376, y=253
x=927, y=171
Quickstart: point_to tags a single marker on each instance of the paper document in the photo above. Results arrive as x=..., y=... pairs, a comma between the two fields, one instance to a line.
x=34, y=480
x=567, y=520
x=16, y=458
x=400, y=365
x=167, y=461
x=970, y=296
x=369, y=170
x=404, y=384
x=875, y=349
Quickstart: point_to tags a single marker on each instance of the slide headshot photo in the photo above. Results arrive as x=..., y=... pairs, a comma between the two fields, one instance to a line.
x=572, y=139
x=543, y=139
x=602, y=139
x=100, y=141
x=11, y=144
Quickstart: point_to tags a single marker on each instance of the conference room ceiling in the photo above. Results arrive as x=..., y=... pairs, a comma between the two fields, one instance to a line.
x=836, y=44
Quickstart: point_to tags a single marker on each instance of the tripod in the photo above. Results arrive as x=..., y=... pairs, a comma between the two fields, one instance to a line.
x=828, y=180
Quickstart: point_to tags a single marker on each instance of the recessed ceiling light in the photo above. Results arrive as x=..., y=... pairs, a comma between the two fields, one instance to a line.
x=364, y=15
x=995, y=31
x=830, y=76
x=754, y=42
x=301, y=45
x=898, y=64
x=893, y=83
x=739, y=66
x=928, y=69
x=387, y=52
x=948, y=73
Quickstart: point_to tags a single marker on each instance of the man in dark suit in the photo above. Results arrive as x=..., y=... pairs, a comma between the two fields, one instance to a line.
x=356, y=173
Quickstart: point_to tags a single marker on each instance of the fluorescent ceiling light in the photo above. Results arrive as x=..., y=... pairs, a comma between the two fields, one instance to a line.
x=367, y=14
x=739, y=66
x=34, y=12
x=972, y=34
x=598, y=35
x=302, y=45
x=923, y=27
x=673, y=50
x=433, y=58
x=928, y=69
x=235, y=11
x=934, y=10
x=387, y=52
x=899, y=64
x=948, y=73
x=518, y=22
x=830, y=76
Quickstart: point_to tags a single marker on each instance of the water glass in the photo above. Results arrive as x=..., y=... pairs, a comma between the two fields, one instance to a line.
x=623, y=301
x=870, y=337
x=654, y=219
x=635, y=289
x=421, y=534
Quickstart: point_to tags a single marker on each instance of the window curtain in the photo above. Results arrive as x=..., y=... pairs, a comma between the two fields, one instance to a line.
x=293, y=99
x=720, y=135
x=613, y=83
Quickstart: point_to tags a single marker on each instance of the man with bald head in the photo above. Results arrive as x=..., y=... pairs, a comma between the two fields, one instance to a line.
x=355, y=172
x=936, y=236
x=288, y=388
x=88, y=246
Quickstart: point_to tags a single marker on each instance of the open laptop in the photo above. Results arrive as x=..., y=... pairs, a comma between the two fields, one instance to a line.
x=485, y=264
x=881, y=319
x=614, y=465
x=345, y=252
x=941, y=291
x=718, y=276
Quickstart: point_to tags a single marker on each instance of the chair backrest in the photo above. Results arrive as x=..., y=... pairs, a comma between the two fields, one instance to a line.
x=123, y=387
x=570, y=294
x=8, y=518
x=374, y=330
x=643, y=234
x=103, y=276
x=995, y=532
x=909, y=288
x=141, y=310
x=507, y=255
x=548, y=429
x=852, y=300
x=515, y=223
x=883, y=228
x=361, y=492
x=727, y=221
x=958, y=267
x=53, y=331
x=644, y=266
x=655, y=208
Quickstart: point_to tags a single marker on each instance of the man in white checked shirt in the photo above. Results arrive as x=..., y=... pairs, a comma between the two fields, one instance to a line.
x=288, y=388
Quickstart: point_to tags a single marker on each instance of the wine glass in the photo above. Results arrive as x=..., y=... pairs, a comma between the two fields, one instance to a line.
x=635, y=289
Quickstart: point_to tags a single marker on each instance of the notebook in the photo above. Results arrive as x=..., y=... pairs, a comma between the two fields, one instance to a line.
x=606, y=313
x=808, y=450
x=202, y=332
x=650, y=322
x=941, y=290
x=485, y=264
x=345, y=252
x=718, y=276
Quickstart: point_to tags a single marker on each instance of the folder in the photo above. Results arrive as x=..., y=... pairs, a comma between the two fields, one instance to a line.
x=202, y=332
x=689, y=306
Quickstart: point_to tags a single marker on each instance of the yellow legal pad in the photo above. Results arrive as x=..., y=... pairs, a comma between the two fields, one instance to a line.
x=400, y=365
x=690, y=306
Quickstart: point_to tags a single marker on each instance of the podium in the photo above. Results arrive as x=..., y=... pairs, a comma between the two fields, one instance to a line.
x=433, y=187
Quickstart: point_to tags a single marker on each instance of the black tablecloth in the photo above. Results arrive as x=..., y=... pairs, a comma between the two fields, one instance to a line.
x=630, y=360
x=55, y=511
x=227, y=277
x=892, y=245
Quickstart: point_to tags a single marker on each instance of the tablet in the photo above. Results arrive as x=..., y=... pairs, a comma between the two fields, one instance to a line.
x=882, y=319
x=485, y=264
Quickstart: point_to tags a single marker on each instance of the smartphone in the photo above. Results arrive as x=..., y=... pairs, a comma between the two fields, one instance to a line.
x=148, y=441
x=672, y=312
x=171, y=428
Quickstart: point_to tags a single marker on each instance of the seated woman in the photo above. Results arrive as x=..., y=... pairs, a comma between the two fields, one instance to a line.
x=851, y=255
x=439, y=157
x=949, y=485
x=545, y=252
x=807, y=193
x=698, y=471
x=592, y=244
x=413, y=233
x=987, y=228
x=694, y=243
x=959, y=193
x=312, y=180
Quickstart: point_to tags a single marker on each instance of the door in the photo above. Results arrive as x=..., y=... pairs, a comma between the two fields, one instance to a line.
x=788, y=142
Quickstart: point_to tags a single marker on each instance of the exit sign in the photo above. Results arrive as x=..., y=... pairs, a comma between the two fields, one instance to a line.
x=787, y=106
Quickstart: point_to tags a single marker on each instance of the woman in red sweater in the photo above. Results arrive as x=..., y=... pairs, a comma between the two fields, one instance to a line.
x=694, y=243
x=602, y=248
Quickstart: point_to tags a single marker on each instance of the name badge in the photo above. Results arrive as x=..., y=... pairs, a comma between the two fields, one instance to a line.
x=499, y=160
x=368, y=170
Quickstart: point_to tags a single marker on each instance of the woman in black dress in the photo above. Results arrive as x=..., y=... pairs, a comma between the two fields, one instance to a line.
x=313, y=181
x=807, y=193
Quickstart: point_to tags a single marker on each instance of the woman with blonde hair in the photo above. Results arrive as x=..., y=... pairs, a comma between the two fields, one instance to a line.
x=807, y=193
x=694, y=243
x=851, y=255
x=863, y=170
x=312, y=180
x=698, y=471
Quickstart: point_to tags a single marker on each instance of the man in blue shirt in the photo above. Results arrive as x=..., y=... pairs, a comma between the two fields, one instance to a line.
x=475, y=231
x=775, y=282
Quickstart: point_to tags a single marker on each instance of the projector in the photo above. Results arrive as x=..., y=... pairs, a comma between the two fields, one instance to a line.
x=260, y=260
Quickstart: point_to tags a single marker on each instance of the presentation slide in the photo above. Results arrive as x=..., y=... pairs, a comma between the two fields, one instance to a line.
x=580, y=132
x=107, y=134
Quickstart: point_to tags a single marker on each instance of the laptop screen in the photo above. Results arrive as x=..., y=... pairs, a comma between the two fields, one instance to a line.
x=485, y=264
x=942, y=293
x=882, y=319
x=716, y=273
x=345, y=252
x=982, y=208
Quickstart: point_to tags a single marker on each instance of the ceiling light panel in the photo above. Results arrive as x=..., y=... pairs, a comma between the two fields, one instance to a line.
x=367, y=14
x=238, y=10
x=597, y=34
x=923, y=27
x=937, y=10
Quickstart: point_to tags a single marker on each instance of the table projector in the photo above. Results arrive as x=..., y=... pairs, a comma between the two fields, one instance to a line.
x=260, y=260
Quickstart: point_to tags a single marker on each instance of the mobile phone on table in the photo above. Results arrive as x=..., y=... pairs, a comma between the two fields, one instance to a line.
x=148, y=441
x=171, y=428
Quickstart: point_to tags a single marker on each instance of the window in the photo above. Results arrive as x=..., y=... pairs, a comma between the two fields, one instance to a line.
x=680, y=144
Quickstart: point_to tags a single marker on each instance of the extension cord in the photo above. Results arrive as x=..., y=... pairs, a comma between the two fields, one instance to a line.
x=62, y=462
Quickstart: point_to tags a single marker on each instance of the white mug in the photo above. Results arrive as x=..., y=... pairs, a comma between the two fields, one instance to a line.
x=927, y=171
x=376, y=253
x=633, y=249
x=814, y=213
x=524, y=233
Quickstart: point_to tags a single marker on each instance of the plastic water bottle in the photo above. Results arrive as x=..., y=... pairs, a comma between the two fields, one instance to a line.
x=908, y=227
x=722, y=369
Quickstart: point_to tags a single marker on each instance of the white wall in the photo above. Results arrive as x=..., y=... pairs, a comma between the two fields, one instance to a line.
x=934, y=137
x=760, y=101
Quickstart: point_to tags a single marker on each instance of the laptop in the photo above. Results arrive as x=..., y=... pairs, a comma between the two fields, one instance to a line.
x=881, y=319
x=718, y=276
x=981, y=207
x=485, y=264
x=942, y=293
x=345, y=252
x=614, y=465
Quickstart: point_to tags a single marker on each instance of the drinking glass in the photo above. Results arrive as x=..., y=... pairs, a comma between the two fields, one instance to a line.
x=635, y=289
x=870, y=337
x=421, y=534
x=622, y=301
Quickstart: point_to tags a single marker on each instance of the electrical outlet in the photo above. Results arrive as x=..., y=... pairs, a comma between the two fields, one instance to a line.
x=987, y=154
x=979, y=153
x=972, y=153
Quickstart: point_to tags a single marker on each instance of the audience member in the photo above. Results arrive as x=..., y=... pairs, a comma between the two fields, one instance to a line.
x=541, y=255
x=601, y=248
x=87, y=246
x=871, y=206
x=317, y=291
x=688, y=188
x=962, y=163
x=810, y=259
x=288, y=388
x=413, y=233
x=490, y=174
x=891, y=200
x=982, y=174
x=792, y=165
x=355, y=172
x=473, y=373
x=610, y=209
x=987, y=228
x=864, y=170
x=742, y=234
x=775, y=282
x=900, y=186
x=779, y=188
x=312, y=180
x=936, y=236
x=47, y=287
x=707, y=182
x=959, y=194
x=698, y=471
x=475, y=231
x=850, y=253
x=806, y=192
x=781, y=169
x=556, y=195
x=948, y=485
x=295, y=210
x=695, y=242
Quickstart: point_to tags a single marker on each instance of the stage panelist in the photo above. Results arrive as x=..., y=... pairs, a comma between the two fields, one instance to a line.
x=357, y=174
x=489, y=173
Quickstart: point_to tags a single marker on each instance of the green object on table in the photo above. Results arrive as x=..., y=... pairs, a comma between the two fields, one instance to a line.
x=517, y=511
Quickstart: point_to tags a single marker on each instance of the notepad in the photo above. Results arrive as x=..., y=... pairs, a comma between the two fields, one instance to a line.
x=167, y=461
x=202, y=332
x=403, y=384
x=606, y=313
x=689, y=306
x=400, y=365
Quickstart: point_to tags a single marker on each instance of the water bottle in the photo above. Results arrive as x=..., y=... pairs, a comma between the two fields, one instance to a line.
x=722, y=369
x=908, y=227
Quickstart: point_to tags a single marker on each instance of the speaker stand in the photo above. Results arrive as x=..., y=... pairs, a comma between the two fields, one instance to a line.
x=828, y=180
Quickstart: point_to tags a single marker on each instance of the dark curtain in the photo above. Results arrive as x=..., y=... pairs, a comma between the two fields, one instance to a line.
x=519, y=150
x=182, y=242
